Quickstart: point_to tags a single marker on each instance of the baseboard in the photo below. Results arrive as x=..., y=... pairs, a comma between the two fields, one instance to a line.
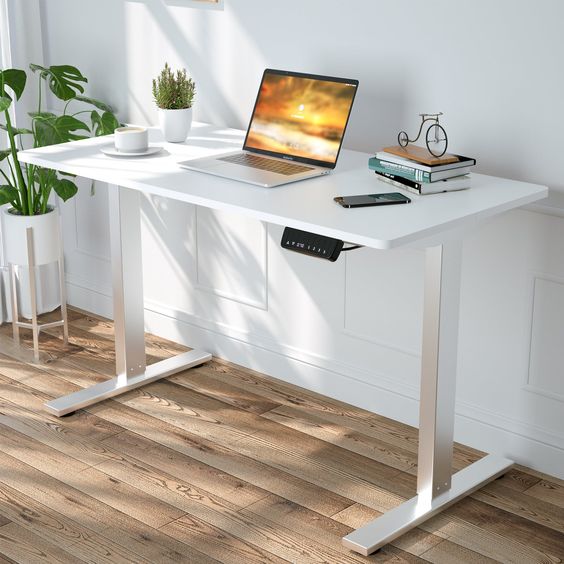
x=473, y=427
x=80, y=295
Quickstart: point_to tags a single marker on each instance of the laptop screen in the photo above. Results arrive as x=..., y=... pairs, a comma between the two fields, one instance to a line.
x=301, y=117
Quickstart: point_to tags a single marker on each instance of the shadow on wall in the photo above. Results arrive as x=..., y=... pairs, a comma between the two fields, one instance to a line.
x=217, y=105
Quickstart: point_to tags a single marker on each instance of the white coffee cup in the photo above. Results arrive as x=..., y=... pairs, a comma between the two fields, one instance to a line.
x=131, y=139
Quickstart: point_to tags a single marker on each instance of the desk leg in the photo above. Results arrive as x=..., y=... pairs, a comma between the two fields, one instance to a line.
x=127, y=279
x=437, y=488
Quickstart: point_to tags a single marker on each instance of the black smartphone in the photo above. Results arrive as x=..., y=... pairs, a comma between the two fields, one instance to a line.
x=386, y=199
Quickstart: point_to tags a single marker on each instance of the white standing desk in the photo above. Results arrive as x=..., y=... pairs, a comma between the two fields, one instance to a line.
x=436, y=223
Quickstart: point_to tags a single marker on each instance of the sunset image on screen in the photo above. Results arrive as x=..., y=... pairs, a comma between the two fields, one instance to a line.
x=300, y=116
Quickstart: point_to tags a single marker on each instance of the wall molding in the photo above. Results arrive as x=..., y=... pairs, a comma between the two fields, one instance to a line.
x=368, y=338
x=198, y=285
x=284, y=350
x=545, y=393
x=527, y=385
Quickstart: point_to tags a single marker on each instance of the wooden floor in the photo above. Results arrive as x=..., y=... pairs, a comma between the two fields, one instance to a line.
x=224, y=464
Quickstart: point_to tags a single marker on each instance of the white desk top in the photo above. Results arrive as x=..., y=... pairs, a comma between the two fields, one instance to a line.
x=306, y=205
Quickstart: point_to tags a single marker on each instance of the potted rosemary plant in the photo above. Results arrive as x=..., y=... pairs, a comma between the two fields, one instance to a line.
x=28, y=188
x=174, y=96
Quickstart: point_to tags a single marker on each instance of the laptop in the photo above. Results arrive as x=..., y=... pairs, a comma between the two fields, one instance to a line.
x=295, y=132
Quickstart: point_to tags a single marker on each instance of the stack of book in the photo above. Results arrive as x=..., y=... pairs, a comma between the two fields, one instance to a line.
x=414, y=169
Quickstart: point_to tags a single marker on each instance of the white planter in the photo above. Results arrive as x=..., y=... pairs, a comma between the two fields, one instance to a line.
x=46, y=240
x=46, y=245
x=175, y=124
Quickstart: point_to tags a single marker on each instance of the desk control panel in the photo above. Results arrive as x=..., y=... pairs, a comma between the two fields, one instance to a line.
x=311, y=244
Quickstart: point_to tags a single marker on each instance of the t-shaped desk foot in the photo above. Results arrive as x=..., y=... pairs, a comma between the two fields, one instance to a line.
x=437, y=488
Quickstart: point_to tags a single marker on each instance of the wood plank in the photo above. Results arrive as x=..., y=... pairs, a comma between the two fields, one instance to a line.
x=519, y=503
x=95, y=336
x=219, y=513
x=4, y=520
x=540, y=475
x=481, y=541
x=33, y=452
x=448, y=552
x=548, y=491
x=24, y=546
x=518, y=480
x=104, y=329
x=138, y=448
x=345, y=473
x=323, y=530
x=95, y=483
x=416, y=542
x=58, y=529
x=386, y=431
x=217, y=543
x=196, y=379
x=488, y=539
x=228, y=460
x=60, y=511
x=539, y=542
x=392, y=456
x=223, y=459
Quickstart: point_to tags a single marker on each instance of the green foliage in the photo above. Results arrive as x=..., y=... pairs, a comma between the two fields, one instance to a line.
x=65, y=188
x=64, y=80
x=104, y=124
x=93, y=102
x=17, y=130
x=15, y=79
x=53, y=130
x=8, y=194
x=28, y=187
x=173, y=92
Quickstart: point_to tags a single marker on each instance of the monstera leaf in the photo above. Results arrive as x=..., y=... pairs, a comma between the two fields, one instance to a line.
x=104, y=124
x=14, y=79
x=93, y=102
x=53, y=130
x=64, y=80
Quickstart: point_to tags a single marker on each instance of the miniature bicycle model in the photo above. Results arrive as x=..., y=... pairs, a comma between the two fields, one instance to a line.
x=436, y=138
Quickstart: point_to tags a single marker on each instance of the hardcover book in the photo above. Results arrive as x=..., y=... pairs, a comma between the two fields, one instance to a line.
x=420, y=155
x=462, y=161
x=413, y=173
x=422, y=188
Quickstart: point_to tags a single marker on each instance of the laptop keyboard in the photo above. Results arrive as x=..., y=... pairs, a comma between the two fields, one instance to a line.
x=272, y=165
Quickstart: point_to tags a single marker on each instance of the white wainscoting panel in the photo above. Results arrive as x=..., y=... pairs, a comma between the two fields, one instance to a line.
x=86, y=238
x=231, y=257
x=546, y=367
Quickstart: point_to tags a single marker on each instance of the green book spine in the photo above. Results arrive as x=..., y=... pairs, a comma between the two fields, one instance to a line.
x=377, y=164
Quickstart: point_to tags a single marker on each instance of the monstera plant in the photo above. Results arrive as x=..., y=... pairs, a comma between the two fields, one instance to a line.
x=28, y=187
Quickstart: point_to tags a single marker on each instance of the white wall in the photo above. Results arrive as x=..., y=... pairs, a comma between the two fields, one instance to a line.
x=222, y=281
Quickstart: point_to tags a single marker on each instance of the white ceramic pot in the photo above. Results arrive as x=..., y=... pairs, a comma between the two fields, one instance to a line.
x=175, y=124
x=46, y=243
x=46, y=240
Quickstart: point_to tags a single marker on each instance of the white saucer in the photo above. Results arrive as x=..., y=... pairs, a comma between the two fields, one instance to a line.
x=111, y=151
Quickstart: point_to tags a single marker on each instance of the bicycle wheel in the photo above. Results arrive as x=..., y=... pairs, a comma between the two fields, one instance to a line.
x=436, y=140
x=403, y=139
